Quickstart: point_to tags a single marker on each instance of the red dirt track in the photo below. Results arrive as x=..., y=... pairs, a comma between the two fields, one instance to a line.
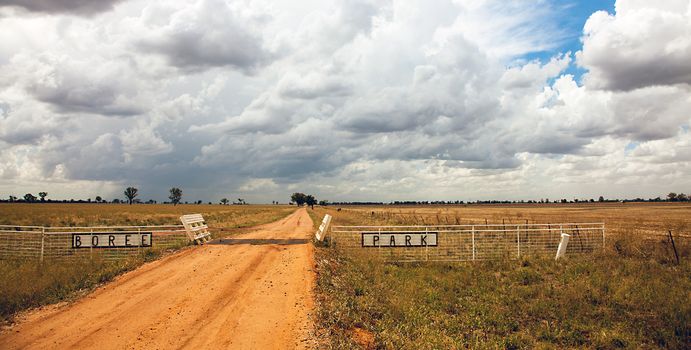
x=251, y=291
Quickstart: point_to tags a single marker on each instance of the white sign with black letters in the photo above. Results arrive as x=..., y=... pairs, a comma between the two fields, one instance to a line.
x=399, y=239
x=112, y=240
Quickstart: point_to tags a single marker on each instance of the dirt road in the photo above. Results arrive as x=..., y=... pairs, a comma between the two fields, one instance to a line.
x=250, y=292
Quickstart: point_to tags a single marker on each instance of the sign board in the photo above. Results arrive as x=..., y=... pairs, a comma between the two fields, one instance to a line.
x=112, y=240
x=399, y=239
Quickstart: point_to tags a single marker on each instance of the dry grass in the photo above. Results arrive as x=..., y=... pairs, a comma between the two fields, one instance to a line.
x=28, y=283
x=632, y=295
x=55, y=214
x=621, y=218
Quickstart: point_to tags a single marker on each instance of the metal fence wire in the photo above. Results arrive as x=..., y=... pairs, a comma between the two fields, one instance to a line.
x=467, y=242
x=57, y=243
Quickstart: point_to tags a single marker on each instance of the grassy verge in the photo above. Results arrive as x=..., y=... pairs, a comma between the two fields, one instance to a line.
x=27, y=284
x=601, y=302
x=626, y=297
x=316, y=217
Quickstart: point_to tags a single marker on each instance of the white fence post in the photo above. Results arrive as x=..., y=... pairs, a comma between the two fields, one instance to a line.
x=518, y=235
x=561, y=250
x=473, y=237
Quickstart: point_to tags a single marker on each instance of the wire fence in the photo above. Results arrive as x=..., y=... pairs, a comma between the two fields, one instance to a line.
x=467, y=242
x=106, y=242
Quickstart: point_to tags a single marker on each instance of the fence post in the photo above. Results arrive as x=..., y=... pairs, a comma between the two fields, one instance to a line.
x=518, y=235
x=549, y=230
x=43, y=242
x=676, y=255
x=473, y=238
x=561, y=250
x=603, y=237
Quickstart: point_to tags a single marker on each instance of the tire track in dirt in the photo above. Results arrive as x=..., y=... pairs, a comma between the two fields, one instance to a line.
x=251, y=291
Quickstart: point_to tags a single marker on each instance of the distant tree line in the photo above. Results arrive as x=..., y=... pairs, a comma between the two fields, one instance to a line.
x=131, y=193
x=671, y=197
x=175, y=197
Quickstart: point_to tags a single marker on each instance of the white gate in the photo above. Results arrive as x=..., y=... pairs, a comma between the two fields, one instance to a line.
x=467, y=242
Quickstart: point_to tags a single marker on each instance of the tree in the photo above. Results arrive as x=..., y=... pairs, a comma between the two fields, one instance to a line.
x=98, y=199
x=130, y=193
x=175, y=195
x=672, y=196
x=29, y=198
x=224, y=201
x=298, y=198
x=13, y=199
x=43, y=196
x=310, y=200
x=681, y=197
x=601, y=199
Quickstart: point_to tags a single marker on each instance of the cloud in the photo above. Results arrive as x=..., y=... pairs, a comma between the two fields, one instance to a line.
x=108, y=88
x=350, y=100
x=207, y=34
x=77, y=7
x=643, y=44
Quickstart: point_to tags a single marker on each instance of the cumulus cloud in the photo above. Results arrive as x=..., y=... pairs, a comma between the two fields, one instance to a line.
x=209, y=33
x=62, y=83
x=78, y=7
x=645, y=43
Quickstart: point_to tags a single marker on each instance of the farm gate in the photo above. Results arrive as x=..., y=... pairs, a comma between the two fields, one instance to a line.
x=107, y=242
x=466, y=242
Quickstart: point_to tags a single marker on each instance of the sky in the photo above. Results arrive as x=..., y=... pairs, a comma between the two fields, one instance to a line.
x=357, y=100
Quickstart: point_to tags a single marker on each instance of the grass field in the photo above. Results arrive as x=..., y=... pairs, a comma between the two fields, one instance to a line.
x=55, y=214
x=631, y=295
x=28, y=283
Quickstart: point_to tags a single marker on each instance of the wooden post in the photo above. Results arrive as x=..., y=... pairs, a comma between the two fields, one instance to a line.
x=676, y=255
